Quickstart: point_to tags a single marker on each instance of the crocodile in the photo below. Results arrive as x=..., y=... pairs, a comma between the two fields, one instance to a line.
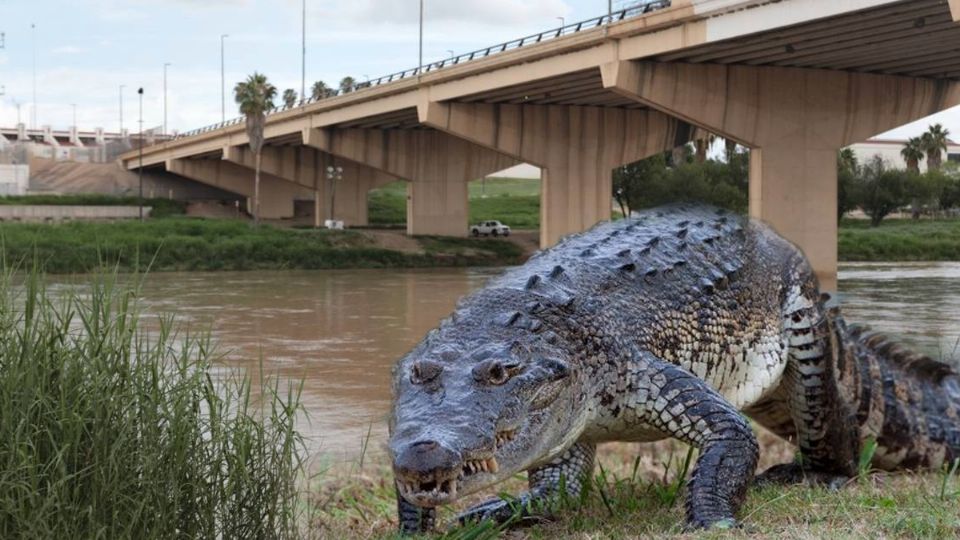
x=678, y=323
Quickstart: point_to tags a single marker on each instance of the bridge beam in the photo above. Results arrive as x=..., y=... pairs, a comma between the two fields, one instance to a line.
x=795, y=120
x=307, y=168
x=438, y=167
x=276, y=195
x=576, y=147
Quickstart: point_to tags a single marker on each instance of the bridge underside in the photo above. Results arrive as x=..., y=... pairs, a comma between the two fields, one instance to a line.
x=793, y=80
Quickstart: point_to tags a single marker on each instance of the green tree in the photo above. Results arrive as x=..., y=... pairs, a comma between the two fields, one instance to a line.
x=289, y=97
x=882, y=191
x=912, y=153
x=347, y=85
x=935, y=143
x=255, y=97
x=320, y=90
x=847, y=170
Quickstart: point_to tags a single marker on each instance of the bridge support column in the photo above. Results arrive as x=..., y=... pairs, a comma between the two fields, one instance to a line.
x=576, y=147
x=276, y=195
x=795, y=120
x=307, y=169
x=437, y=165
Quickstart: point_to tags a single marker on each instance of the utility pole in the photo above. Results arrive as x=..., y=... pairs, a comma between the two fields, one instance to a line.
x=165, y=66
x=33, y=34
x=420, y=64
x=122, y=86
x=140, y=170
x=303, y=67
x=223, y=80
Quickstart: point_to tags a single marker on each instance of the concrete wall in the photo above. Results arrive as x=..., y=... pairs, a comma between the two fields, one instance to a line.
x=41, y=213
x=14, y=179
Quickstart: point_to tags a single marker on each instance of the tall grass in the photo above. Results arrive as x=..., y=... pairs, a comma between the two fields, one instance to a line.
x=108, y=430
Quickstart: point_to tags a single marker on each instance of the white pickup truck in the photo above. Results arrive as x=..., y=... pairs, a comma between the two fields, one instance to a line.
x=490, y=228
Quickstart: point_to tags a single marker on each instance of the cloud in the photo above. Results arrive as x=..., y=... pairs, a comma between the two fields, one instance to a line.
x=488, y=12
x=68, y=50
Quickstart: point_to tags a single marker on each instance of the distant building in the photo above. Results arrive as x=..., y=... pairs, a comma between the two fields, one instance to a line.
x=22, y=145
x=889, y=150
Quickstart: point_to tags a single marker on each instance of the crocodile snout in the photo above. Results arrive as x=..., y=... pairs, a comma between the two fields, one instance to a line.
x=427, y=473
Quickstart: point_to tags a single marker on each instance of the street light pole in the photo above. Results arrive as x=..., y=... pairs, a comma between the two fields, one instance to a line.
x=420, y=64
x=74, y=105
x=33, y=37
x=223, y=80
x=303, y=67
x=122, y=86
x=165, y=66
x=140, y=170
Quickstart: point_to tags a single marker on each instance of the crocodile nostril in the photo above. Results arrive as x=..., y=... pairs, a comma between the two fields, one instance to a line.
x=425, y=446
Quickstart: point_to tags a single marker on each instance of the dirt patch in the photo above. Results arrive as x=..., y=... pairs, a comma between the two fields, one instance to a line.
x=395, y=240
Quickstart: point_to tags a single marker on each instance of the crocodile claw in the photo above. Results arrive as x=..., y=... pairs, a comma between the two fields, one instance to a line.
x=794, y=473
x=498, y=511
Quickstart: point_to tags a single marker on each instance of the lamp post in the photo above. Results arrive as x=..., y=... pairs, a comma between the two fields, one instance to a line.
x=74, y=106
x=303, y=67
x=452, y=55
x=223, y=80
x=33, y=37
x=165, y=66
x=140, y=169
x=420, y=64
x=563, y=21
x=334, y=175
x=122, y=86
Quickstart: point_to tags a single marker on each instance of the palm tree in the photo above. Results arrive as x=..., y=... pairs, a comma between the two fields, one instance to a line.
x=289, y=97
x=347, y=85
x=912, y=153
x=935, y=143
x=255, y=97
x=320, y=90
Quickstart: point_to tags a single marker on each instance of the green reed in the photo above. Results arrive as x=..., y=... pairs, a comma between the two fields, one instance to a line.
x=112, y=430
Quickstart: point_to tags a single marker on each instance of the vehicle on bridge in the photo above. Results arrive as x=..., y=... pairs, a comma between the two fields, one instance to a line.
x=488, y=228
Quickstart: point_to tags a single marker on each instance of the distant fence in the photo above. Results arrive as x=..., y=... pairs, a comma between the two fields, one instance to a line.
x=635, y=9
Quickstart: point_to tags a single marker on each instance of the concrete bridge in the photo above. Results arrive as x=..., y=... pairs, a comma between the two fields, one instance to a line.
x=794, y=80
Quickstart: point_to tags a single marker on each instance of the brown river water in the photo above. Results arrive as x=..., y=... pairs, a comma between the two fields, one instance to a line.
x=341, y=331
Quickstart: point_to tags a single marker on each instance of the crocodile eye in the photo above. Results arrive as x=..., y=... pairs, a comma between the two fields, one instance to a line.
x=496, y=372
x=424, y=371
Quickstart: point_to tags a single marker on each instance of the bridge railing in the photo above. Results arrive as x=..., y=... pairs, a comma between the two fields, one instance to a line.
x=640, y=8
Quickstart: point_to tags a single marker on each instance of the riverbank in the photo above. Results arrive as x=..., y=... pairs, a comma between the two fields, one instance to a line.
x=183, y=244
x=900, y=240
x=638, y=490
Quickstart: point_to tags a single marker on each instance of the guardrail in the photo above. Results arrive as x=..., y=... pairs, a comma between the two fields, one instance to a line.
x=637, y=10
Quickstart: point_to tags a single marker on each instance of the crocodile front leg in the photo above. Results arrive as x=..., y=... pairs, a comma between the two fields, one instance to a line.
x=678, y=403
x=567, y=473
x=414, y=519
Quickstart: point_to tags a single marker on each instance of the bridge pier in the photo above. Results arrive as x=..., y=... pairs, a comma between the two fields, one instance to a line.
x=438, y=167
x=576, y=147
x=796, y=120
x=307, y=167
x=276, y=195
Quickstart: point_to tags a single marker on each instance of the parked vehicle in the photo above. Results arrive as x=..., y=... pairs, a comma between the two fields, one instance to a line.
x=490, y=228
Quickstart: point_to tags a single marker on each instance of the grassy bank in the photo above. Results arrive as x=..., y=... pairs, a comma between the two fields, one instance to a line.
x=110, y=431
x=514, y=201
x=637, y=492
x=900, y=240
x=203, y=245
x=161, y=207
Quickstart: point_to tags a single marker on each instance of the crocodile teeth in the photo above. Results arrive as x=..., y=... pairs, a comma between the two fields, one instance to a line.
x=492, y=465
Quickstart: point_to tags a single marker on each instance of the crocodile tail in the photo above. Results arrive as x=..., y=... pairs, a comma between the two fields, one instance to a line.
x=907, y=402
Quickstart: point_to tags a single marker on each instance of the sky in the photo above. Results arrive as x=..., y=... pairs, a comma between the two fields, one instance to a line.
x=86, y=49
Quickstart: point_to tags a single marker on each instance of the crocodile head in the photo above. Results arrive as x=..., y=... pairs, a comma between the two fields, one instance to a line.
x=473, y=408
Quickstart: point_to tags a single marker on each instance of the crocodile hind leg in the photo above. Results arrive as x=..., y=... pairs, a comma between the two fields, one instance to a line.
x=678, y=403
x=565, y=476
x=826, y=429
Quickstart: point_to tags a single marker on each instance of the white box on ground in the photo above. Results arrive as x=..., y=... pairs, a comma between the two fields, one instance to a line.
x=333, y=224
